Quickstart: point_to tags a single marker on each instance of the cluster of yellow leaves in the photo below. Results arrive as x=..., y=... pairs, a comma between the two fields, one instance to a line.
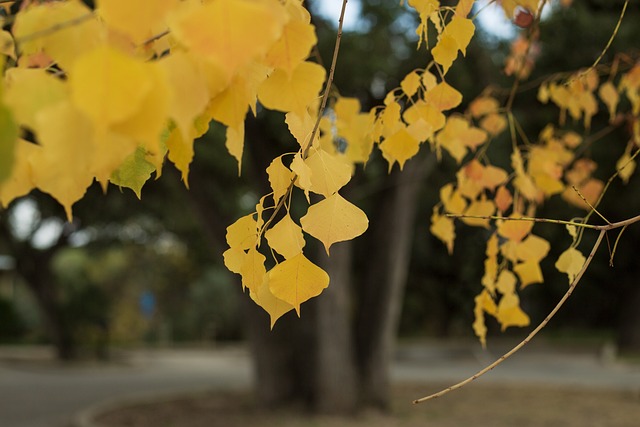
x=513, y=253
x=294, y=278
x=109, y=93
x=579, y=97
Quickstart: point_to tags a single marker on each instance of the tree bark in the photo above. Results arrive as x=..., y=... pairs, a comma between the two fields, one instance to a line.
x=382, y=293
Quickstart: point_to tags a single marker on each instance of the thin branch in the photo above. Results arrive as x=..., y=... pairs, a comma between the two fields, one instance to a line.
x=526, y=218
x=327, y=90
x=606, y=48
x=55, y=28
x=530, y=336
x=323, y=104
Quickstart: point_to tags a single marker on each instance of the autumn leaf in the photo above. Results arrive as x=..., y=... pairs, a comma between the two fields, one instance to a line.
x=328, y=173
x=410, y=83
x=67, y=44
x=280, y=178
x=270, y=303
x=456, y=37
x=224, y=32
x=334, y=219
x=514, y=229
x=139, y=20
x=509, y=312
x=443, y=228
x=134, y=172
x=297, y=39
x=570, y=262
x=296, y=280
x=529, y=272
x=295, y=92
x=242, y=233
x=443, y=96
x=286, y=237
x=253, y=270
x=399, y=147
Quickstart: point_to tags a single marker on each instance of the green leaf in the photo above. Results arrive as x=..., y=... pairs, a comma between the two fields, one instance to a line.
x=8, y=139
x=133, y=172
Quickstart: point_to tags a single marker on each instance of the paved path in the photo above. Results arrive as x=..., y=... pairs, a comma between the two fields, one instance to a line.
x=40, y=393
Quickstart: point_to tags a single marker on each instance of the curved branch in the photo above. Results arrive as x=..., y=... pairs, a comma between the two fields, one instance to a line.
x=533, y=333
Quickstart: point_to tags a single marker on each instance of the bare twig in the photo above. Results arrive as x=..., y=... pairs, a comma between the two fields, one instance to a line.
x=603, y=230
x=529, y=337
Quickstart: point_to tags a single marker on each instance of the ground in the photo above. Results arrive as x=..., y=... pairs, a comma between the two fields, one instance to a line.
x=476, y=405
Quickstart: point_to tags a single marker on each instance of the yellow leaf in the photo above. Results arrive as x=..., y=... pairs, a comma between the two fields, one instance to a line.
x=286, y=237
x=494, y=123
x=625, y=166
x=272, y=305
x=410, y=83
x=529, y=272
x=334, y=220
x=514, y=229
x=62, y=167
x=570, y=262
x=109, y=86
x=230, y=34
x=20, y=182
x=428, y=113
x=509, y=312
x=455, y=37
x=29, y=91
x=443, y=228
x=303, y=172
x=295, y=92
x=147, y=125
x=67, y=43
x=296, y=280
x=280, y=178
x=328, y=173
x=503, y=199
x=443, y=97
x=399, y=147
x=480, y=207
x=452, y=199
x=243, y=233
x=506, y=283
x=532, y=248
x=457, y=137
x=300, y=127
x=463, y=8
x=483, y=304
x=230, y=107
x=235, y=143
x=181, y=151
x=297, y=39
x=445, y=51
x=139, y=20
x=189, y=92
x=234, y=259
x=483, y=105
x=253, y=271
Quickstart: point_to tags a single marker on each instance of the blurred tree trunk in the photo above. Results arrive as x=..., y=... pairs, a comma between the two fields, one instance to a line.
x=629, y=327
x=380, y=301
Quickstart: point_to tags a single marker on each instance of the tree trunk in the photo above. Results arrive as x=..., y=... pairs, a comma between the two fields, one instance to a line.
x=383, y=290
x=629, y=326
